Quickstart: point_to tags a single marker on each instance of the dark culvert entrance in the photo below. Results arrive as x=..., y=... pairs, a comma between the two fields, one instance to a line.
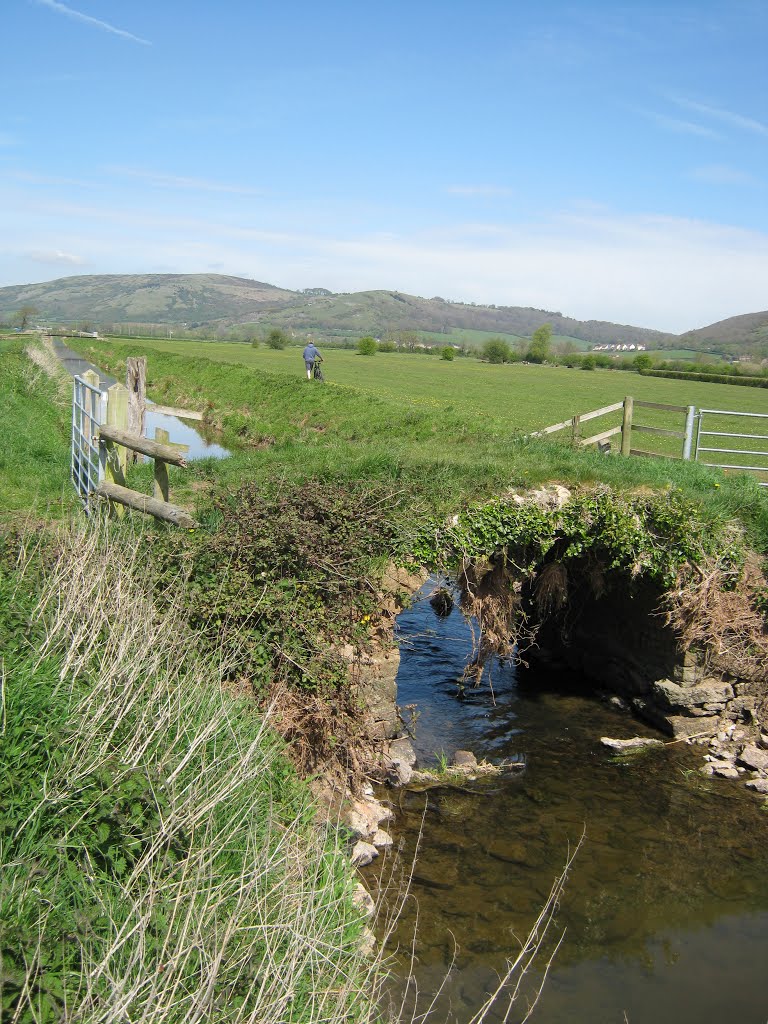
x=665, y=911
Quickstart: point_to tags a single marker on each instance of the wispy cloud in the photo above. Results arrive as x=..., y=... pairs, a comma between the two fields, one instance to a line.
x=105, y=26
x=721, y=174
x=483, y=191
x=729, y=117
x=175, y=181
x=56, y=257
x=676, y=124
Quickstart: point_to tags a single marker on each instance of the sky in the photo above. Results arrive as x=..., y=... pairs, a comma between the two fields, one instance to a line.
x=608, y=161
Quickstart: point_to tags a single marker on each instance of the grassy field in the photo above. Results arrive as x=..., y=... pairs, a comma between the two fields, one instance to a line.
x=514, y=398
x=447, y=432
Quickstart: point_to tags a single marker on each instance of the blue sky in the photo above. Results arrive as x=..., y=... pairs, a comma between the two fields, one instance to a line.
x=604, y=160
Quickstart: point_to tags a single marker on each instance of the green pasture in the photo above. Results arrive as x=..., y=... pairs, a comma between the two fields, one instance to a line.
x=516, y=397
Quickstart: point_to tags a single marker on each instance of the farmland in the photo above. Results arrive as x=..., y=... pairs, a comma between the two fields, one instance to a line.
x=514, y=397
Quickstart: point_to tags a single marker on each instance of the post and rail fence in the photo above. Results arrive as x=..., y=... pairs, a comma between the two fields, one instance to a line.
x=104, y=436
x=627, y=426
x=691, y=436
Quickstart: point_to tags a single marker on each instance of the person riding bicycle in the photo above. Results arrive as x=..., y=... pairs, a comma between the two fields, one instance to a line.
x=311, y=356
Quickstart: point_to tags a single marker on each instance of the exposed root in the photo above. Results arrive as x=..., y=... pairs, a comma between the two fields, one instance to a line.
x=720, y=611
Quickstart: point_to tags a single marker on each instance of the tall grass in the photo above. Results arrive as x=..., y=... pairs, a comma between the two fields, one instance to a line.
x=160, y=862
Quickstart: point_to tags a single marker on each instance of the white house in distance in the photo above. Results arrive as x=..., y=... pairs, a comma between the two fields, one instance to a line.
x=618, y=347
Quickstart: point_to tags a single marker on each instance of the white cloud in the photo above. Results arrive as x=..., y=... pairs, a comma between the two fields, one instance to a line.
x=56, y=256
x=163, y=180
x=670, y=273
x=729, y=117
x=721, y=174
x=676, y=124
x=60, y=8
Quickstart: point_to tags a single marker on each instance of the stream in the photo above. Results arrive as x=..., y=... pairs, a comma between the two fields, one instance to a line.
x=665, y=910
x=201, y=445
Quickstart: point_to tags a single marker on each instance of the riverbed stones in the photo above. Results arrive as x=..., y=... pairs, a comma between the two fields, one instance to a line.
x=464, y=759
x=363, y=900
x=758, y=786
x=753, y=757
x=399, y=760
x=636, y=743
x=701, y=700
x=363, y=853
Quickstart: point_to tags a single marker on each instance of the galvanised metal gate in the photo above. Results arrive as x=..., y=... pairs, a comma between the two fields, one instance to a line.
x=757, y=419
x=88, y=413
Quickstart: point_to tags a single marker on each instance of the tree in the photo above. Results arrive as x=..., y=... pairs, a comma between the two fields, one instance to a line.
x=277, y=338
x=448, y=354
x=367, y=346
x=538, y=350
x=642, y=362
x=496, y=350
x=24, y=315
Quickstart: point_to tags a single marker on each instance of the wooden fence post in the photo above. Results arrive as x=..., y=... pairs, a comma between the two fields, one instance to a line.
x=161, y=489
x=626, y=426
x=576, y=428
x=136, y=382
x=117, y=456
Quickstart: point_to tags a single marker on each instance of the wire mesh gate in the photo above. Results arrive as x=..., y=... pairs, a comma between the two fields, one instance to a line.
x=88, y=413
x=742, y=451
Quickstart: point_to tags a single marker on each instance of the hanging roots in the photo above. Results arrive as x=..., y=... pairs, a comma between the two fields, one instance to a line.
x=550, y=591
x=492, y=598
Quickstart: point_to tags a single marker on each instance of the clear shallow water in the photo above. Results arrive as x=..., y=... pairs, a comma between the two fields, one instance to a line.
x=666, y=908
x=200, y=446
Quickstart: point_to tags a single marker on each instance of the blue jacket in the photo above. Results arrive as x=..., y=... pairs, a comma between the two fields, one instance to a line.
x=311, y=353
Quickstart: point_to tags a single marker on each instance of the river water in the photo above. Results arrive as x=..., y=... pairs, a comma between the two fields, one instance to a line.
x=665, y=911
x=200, y=443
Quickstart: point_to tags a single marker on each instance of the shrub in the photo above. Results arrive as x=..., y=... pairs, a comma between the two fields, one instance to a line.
x=387, y=346
x=496, y=350
x=277, y=338
x=448, y=354
x=367, y=346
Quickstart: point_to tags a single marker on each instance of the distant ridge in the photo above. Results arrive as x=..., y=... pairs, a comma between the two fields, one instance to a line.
x=217, y=300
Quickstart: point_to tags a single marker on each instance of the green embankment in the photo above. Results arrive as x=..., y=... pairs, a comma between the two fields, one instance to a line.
x=160, y=859
x=447, y=439
x=167, y=826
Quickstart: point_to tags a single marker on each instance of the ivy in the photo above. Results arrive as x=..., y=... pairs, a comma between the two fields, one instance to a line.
x=651, y=536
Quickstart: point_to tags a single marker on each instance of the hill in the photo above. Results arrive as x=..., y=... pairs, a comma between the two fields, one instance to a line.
x=203, y=299
x=213, y=300
x=144, y=298
x=747, y=334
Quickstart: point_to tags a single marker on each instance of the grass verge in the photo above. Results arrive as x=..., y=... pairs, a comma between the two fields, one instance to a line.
x=159, y=858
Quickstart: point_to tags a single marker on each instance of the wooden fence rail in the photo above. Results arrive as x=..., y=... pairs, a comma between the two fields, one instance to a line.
x=115, y=439
x=628, y=424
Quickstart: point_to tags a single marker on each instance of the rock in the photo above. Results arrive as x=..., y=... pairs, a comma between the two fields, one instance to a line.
x=402, y=750
x=441, y=602
x=382, y=839
x=683, y=727
x=763, y=741
x=753, y=757
x=725, y=771
x=363, y=816
x=363, y=899
x=363, y=853
x=758, y=785
x=707, y=769
x=464, y=759
x=711, y=693
x=402, y=758
x=634, y=744
x=367, y=942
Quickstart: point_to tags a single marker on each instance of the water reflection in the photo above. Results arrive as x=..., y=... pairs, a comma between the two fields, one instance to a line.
x=201, y=443
x=672, y=875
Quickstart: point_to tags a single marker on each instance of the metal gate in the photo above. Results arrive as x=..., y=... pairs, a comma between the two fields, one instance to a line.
x=88, y=413
x=741, y=451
